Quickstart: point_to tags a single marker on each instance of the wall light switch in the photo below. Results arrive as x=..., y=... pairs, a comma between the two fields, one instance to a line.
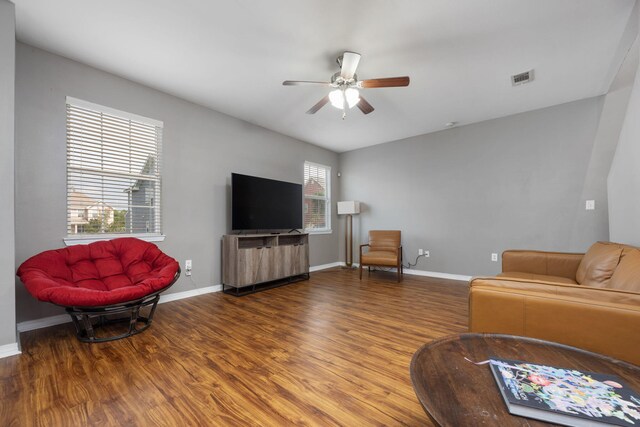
x=494, y=257
x=590, y=205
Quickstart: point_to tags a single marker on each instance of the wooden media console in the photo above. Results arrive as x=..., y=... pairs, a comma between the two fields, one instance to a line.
x=252, y=262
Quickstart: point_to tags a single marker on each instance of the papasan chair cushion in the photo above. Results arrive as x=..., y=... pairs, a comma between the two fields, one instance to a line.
x=98, y=274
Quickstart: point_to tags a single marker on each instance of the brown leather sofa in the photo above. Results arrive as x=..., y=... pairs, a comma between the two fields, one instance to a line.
x=591, y=300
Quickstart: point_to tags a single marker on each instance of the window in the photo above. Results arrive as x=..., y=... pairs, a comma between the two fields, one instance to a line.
x=317, y=197
x=113, y=173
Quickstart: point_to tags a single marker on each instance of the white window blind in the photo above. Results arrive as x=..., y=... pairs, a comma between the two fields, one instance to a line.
x=113, y=171
x=317, y=197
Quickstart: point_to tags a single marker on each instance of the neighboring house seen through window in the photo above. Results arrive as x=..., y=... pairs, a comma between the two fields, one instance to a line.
x=317, y=197
x=113, y=172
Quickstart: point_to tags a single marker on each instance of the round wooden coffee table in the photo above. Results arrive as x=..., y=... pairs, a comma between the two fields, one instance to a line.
x=455, y=392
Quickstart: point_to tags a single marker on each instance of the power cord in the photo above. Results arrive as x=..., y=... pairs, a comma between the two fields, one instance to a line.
x=409, y=264
x=375, y=268
x=193, y=282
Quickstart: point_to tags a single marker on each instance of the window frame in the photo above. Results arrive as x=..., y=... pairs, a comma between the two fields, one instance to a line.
x=75, y=239
x=326, y=198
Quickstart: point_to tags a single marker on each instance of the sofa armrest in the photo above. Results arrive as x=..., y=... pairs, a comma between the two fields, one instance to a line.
x=601, y=320
x=539, y=262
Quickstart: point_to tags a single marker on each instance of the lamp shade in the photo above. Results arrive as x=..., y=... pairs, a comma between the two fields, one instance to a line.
x=349, y=207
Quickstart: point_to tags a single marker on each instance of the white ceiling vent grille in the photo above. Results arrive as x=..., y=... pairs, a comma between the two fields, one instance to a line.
x=522, y=78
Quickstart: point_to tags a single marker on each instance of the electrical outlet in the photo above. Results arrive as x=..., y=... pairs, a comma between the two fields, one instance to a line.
x=426, y=254
x=188, y=266
x=420, y=252
x=494, y=257
x=590, y=205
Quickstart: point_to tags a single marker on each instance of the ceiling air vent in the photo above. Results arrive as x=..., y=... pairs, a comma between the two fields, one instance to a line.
x=522, y=78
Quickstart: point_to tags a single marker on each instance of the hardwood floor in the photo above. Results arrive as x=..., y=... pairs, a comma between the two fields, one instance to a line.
x=328, y=351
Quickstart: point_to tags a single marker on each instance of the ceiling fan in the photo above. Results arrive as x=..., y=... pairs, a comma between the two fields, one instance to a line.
x=346, y=93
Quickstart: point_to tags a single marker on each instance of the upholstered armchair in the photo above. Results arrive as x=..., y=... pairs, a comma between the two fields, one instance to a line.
x=384, y=250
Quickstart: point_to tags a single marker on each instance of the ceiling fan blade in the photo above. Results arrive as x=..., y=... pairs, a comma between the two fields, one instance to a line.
x=364, y=106
x=319, y=105
x=350, y=62
x=304, y=82
x=386, y=82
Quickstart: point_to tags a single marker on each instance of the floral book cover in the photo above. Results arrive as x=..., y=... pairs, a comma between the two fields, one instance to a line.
x=565, y=396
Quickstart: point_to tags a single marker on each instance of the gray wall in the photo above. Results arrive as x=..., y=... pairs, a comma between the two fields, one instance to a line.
x=463, y=193
x=201, y=148
x=624, y=177
x=7, y=233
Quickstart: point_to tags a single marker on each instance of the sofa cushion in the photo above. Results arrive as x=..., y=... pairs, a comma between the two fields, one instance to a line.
x=541, y=277
x=598, y=264
x=627, y=274
x=389, y=258
x=626, y=249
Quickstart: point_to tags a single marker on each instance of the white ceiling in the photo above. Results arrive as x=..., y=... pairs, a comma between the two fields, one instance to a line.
x=232, y=56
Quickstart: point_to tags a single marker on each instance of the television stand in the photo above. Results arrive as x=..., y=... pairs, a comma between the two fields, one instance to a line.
x=254, y=262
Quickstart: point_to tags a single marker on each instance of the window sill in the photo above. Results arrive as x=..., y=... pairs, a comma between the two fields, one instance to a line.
x=319, y=231
x=77, y=240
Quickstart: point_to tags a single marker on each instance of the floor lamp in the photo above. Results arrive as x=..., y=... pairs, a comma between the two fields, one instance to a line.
x=349, y=209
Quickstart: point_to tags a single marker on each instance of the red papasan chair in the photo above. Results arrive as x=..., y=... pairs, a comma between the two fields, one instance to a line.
x=101, y=279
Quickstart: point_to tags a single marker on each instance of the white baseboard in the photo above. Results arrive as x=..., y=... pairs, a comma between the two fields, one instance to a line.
x=331, y=265
x=9, y=350
x=325, y=266
x=438, y=275
x=45, y=322
x=435, y=274
x=190, y=293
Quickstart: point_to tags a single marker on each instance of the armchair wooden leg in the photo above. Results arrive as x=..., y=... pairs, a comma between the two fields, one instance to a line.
x=360, y=271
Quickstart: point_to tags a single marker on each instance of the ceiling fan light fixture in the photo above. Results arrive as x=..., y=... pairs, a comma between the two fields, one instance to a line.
x=337, y=98
x=345, y=84
x=353, y=96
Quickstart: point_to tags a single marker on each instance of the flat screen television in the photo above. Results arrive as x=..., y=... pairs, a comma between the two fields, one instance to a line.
x=265, y=204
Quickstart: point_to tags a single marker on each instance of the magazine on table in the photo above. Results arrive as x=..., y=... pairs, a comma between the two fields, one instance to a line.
x=565, y=396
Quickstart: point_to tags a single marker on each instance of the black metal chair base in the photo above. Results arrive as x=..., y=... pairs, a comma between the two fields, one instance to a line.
x=87, y=320
x=251, y=289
